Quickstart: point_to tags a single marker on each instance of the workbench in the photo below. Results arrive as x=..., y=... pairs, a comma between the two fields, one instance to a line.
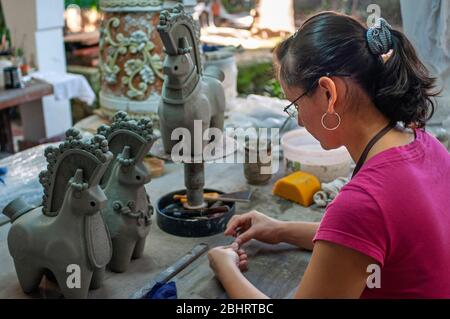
x=34, y=90
x=275, y=269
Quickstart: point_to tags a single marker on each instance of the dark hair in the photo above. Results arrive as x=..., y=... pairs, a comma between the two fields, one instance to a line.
x=401, y=88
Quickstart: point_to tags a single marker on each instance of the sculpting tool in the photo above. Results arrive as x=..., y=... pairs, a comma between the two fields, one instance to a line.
x=197, y=213
x=240, y=197
x=205, y=213
x=172, y=270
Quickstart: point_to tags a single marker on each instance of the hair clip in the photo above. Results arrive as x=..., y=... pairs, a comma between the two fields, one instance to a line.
x=379, y=37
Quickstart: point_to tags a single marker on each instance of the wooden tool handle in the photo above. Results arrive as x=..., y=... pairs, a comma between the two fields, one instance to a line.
x=206, y=196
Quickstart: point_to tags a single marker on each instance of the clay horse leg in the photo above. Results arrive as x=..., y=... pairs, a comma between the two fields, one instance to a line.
x=139, y=249
x=68, y=288
x=29, y=276
x=97, y=278
x=122, y=251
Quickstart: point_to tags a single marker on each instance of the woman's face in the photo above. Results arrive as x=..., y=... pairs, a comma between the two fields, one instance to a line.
x=311, y=108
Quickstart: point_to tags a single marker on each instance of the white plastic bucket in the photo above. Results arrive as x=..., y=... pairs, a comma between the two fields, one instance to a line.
x=303, y=152
x=229, y=68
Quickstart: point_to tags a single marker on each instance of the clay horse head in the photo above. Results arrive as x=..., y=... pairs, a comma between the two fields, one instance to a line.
x=182, y=63
x=68, y=230
x=128, y=212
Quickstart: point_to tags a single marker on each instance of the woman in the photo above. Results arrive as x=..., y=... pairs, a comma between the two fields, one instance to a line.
x=353, y=86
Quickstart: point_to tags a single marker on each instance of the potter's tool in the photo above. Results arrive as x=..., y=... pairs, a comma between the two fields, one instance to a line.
x=184, y=213
x=240, y=197
x=196, y=214
x=172, y=270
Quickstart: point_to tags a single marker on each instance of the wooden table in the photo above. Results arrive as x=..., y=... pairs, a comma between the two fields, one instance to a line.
x=34, y=90
x=275, y=269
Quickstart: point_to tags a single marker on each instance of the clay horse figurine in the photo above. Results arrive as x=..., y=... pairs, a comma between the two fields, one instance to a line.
x=187, y=94
x=67, y=234
x=128, y=213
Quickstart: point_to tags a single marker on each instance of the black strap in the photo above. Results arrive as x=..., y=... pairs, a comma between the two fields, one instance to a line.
x=369, y=146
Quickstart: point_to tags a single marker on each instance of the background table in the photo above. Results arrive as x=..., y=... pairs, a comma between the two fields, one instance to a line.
x=34, y=90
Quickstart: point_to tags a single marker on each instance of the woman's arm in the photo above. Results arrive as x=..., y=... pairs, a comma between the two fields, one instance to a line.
x=238, y=287
x=227, y=263
x=255, y=225
x=299, y=234
x=333, y=272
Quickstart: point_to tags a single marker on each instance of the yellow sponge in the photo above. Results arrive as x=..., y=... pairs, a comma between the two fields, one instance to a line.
x=298, y=187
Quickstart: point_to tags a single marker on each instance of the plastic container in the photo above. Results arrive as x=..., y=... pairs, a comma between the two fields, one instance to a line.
x=255, y=167
x=226, y=62
x=302, y=152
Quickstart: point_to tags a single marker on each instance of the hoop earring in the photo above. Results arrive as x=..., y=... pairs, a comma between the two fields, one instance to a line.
x=333, y=128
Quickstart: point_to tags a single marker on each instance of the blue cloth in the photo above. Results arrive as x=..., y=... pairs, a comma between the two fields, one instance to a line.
x=211, y=48
x=162, y=291
x=3, y=171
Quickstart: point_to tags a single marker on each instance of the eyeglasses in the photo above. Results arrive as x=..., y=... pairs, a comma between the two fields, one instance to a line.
x=293, y=113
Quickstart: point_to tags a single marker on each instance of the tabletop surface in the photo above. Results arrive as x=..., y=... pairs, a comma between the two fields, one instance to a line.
x=33, y=90
x=275, y=269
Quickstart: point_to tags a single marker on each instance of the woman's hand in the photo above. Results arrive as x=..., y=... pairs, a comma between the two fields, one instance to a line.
x=227, y=258
x=227, y=262
x=253, y=225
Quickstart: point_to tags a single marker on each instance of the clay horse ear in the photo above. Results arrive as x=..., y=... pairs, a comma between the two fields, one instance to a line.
x=183, y=46
x=77, y=181
x=75, y=162
x=125, y=157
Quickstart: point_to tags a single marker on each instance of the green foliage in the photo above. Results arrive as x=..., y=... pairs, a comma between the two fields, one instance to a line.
x=258, y=79
x=83, y=4
x=2, y=18
x=273, y=87
x=235, y=6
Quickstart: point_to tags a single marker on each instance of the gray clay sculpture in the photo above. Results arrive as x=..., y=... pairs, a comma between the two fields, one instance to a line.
x=128, y=212
x=188, y=95
x=67, y=232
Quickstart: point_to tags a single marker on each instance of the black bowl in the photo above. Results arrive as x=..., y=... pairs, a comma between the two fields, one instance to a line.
x=191, y=227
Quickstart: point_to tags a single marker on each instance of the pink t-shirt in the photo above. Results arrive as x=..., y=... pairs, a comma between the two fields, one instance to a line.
x=397, y=211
